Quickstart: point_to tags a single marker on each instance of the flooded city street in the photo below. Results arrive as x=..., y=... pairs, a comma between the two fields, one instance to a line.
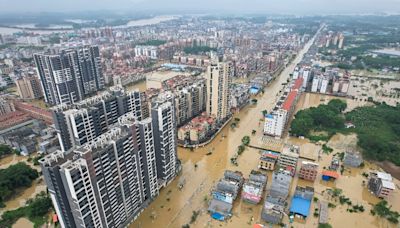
x=173, y=207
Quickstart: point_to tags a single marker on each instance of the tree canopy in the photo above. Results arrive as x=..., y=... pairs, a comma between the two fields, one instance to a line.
x=322, y=118
x=13, y=177
x=378, y=129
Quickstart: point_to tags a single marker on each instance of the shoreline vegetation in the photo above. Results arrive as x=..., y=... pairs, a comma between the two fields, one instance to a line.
x=377, y=127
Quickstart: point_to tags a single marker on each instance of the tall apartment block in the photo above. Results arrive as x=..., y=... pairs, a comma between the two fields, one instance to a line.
x=190, y=101
x=71, y=75
x=83, y=121
x=106, y=183
x=165, y=136
x=218, y=78
x=29, y=87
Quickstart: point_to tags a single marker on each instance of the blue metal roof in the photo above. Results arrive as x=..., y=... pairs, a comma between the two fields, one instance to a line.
x=300, y=206
x=218, y=216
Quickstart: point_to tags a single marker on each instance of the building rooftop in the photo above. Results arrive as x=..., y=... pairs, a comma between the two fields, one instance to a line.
x=388, y=184
x=289, y=100
x=300, y=206
x=384, y=176
x=297, y=84
x=330, y=173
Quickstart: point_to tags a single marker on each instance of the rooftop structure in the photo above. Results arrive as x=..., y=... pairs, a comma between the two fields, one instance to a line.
x=281, y=181
x=353, y=159
x=301, y=201
x=253, y=187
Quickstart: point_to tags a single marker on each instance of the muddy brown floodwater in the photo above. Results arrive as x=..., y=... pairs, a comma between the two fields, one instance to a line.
x=173, y=207
x=23, y=194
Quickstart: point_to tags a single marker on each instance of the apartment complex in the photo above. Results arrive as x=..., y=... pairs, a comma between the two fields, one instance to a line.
x=83, y=121
x=108, y=182
x=218, y=78
x=29, y=87
x=147, y=51
x=71, y=75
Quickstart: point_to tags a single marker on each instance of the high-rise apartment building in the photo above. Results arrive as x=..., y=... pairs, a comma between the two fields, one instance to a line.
x=108, y=182
x=218, y=78
x=71, y=75
x=29, y=87
x=190, y=101
x=165, y=136
x=85, y=120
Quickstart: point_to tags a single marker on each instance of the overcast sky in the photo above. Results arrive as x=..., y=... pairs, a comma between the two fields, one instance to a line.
x=227, y=6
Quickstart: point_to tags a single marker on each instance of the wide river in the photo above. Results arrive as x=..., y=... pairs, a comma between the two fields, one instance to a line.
x=62, y=28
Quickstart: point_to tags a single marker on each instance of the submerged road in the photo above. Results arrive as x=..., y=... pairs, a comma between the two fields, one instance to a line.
x=174, y=207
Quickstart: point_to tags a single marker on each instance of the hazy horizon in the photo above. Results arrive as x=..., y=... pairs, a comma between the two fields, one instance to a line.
x=205, y=6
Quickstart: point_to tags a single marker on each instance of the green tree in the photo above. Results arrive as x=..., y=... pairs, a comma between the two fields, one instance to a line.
x=246, y=140
x=15, y=176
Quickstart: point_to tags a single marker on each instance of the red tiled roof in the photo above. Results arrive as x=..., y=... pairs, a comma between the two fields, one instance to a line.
x=297, y=84
x=330, y=173
x=289, y=100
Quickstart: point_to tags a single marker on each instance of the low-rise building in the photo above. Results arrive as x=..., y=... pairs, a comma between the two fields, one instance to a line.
x=288, y=159
x=268, y=160
x=353, y=159
x=239, y=96
x=308, y=171
x=253, y=187
x=198, y=130
x=381, y=184
x=301, y=201
x=224, y=193
x=281, y=181
x=272, y=213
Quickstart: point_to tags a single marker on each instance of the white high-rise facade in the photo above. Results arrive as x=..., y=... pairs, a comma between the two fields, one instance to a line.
x=218, y=80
